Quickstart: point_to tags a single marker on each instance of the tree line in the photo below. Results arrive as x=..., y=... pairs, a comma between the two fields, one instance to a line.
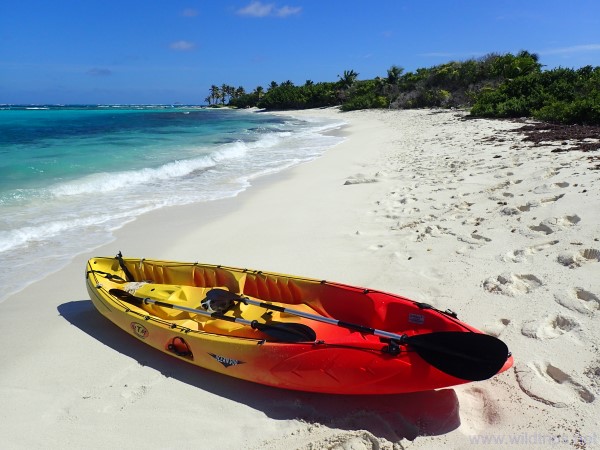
x=496, y=85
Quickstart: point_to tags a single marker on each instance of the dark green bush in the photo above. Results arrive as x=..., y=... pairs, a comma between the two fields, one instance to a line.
x=493, y=86
x=559, y=95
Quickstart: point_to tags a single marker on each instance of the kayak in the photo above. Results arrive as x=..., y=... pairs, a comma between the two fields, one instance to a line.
x=291, y=332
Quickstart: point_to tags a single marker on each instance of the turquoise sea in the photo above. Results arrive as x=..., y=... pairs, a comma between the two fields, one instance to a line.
x=71, y=175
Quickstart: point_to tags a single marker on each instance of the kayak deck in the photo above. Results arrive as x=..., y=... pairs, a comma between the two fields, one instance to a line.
x=188, y=283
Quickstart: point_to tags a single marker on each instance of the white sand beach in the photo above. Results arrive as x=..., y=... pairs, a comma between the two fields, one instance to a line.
x=461, y=214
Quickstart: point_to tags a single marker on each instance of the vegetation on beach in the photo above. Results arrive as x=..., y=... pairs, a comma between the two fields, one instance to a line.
x=497, y=85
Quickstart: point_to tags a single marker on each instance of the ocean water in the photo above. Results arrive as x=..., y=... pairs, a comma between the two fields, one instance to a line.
x=70, y=176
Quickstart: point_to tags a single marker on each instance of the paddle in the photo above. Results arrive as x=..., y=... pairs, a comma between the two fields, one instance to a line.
x=466, y=355
x=286, y=332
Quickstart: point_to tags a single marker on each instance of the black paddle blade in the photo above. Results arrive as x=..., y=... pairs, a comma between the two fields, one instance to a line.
x=126, y=296
x=286, y=332
x=217, y=294
x=465, y=355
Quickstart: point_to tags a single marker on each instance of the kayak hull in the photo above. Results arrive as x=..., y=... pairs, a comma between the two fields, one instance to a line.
x=338, y=361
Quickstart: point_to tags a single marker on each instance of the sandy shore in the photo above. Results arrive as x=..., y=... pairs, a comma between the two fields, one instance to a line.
x=458, y=213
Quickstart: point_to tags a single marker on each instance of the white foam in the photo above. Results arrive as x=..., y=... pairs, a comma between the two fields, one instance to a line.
x=78, y=215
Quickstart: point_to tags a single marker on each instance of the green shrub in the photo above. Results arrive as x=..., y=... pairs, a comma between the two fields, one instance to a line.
x=493, y=86
x=559, y=95
x=365, y=101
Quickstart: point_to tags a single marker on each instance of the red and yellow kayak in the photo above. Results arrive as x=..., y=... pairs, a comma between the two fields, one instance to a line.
x=291, y=332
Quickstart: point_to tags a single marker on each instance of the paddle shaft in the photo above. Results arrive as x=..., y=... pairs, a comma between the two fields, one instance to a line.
x=289, y=332
x=213, y=315
x=339, y=323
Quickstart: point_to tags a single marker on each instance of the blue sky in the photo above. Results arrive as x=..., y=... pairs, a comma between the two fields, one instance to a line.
x=159, y=51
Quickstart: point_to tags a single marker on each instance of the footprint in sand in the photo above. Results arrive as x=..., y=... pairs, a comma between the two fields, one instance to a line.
x=542, y=228
x=591, y=254
x=479, y=409
x=548, y=384
x=579, y=300
x=474, y=239
x=346, y=440
x=520, y=255
x=479, y=237
x=430, y=231
x=512, y=284
x=552, y=199
x=550, y=327
x=406, y=200
x=568, y=221
x=577, y=259
x=536, y=203
x=551, y=225
x=547, y=188
x=593, y=373
x=360, y=178
x=510, y=211
x=495, y=329
x=129, y=386
x=527, y=207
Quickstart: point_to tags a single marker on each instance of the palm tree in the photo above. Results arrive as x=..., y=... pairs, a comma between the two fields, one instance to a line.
x=259, y=91
x=273, y=85
x=215, y=94
x=239, y=92
x=393, y=74
x=348, y=79
x=226, y=91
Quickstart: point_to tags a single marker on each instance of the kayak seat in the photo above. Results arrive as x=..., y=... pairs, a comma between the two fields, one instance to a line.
x=213, y=277
x=273, y=288
x=161, y=272
x=188, y=296
x=351, y=305
x=240, y=311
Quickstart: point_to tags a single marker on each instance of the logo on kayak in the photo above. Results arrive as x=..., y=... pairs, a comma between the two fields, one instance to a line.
x=139, y=330
x=227, y=362
x=416, y=318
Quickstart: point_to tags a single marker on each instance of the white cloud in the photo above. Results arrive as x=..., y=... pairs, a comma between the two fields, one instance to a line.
x=285, y=11
x=259, y=9
x=182, y=46
x=256, y=9
x=572, y=49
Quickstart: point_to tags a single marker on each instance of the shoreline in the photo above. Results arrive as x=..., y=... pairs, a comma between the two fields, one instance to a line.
x=419, y=203
x=66, y=224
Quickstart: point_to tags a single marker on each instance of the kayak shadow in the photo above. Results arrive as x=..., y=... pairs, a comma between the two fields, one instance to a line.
x=392, y=417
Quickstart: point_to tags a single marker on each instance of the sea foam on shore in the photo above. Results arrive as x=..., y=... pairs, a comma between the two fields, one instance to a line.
x=71, y=176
